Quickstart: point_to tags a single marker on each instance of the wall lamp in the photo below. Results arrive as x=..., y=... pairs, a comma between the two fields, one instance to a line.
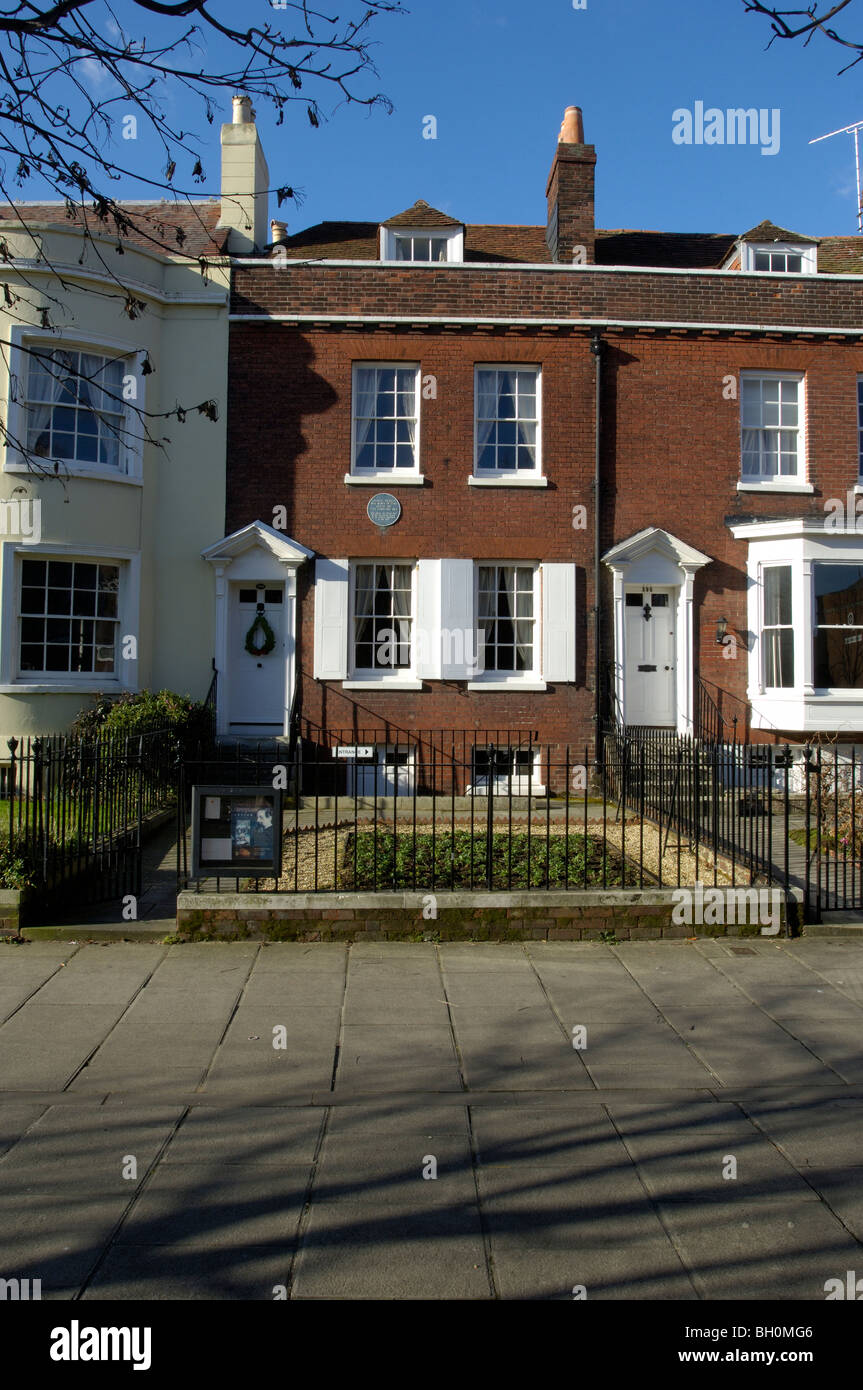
x=721, y=631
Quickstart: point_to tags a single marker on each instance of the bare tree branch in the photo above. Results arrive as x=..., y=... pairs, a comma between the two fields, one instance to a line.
x=795, y=24
x=69, y=72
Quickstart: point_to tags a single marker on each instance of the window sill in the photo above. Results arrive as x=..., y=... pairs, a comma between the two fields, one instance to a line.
x=382, y=685
x=776, y=487
x=412, y=480
x=108, y=475
x=474, y=481
x=110, y=685
x=524, y=685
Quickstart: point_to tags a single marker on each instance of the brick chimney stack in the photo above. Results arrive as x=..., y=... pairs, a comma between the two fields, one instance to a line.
x=570, y=193
x=245, y=181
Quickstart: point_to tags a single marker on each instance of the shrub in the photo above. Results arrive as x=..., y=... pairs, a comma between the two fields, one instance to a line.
x=462, y=858
x=16, y=870
x=138, y=712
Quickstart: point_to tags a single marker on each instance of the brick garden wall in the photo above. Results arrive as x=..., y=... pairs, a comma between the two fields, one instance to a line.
x=572, y=916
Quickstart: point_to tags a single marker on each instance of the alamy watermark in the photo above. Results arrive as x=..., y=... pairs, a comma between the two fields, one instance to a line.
x=734, y=126
x=717, y=907
x=21, y=519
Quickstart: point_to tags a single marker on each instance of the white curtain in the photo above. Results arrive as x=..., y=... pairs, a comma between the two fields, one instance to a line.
x=486, y=410
x=365, y=405
x=47, y=384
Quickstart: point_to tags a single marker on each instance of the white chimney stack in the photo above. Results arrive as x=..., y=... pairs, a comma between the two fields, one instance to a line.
x=245, y=181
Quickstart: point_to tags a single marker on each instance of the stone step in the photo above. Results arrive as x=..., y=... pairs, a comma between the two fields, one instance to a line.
x=848, y=923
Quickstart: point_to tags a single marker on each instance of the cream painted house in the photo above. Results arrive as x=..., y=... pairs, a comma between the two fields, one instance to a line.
x=102, y=582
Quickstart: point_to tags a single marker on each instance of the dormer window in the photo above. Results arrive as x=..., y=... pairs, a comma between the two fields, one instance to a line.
x=779, y=258
x=420, y=248
x=788, y=261
x=773, y=250
x=422, y=235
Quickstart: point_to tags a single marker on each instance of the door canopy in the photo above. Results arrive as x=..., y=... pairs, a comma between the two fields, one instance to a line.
x=654, y=556
x=272, y=545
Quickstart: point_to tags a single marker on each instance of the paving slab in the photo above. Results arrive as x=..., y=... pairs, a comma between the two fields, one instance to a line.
x=260, y=1168
x=183, y=1272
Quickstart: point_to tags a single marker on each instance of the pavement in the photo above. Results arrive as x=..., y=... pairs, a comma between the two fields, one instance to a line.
x=677, y=1121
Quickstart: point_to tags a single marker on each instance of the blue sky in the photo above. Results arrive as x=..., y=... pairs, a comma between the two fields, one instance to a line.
x=497, y=75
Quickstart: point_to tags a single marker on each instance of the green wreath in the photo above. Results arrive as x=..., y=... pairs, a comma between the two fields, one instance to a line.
x=260, y=624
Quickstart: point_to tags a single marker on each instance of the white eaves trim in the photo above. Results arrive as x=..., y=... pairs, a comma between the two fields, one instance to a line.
x=471, y=321
x=140, y=287
x=792, y=526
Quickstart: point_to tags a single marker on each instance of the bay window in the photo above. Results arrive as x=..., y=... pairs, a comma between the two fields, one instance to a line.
x=74, y=407
x=838, y=626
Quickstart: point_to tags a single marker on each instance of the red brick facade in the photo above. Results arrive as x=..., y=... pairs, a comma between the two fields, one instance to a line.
x=674, y=346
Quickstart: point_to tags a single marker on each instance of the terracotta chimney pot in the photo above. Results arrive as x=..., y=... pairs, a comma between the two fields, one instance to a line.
x=572, y=130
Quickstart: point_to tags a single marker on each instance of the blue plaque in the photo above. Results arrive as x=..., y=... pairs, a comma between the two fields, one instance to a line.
x=383, y=509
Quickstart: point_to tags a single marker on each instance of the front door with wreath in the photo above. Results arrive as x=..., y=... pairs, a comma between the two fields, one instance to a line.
x=257, y=675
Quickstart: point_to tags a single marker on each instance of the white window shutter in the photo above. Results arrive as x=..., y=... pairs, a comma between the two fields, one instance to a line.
x=331, y=619
x=558, y=622
x=427, y=626
x=458, y=637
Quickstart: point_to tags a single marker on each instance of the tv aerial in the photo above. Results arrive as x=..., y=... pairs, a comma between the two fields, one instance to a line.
x=855, y=131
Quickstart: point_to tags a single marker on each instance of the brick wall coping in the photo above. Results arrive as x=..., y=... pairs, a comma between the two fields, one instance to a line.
x=243, y=263
x=446, y=901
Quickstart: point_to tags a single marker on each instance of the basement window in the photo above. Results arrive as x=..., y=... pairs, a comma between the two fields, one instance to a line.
x=508, y=771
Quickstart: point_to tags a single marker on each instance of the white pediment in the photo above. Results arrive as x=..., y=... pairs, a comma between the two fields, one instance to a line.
x=257, y=536
x=654, y=542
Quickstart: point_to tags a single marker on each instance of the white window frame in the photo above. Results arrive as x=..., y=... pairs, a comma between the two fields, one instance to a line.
x=808, y=256
x=504, y=782
x=392, y=475
x=507, y=477
x=12, y=679
x=384, y=761
x=360, y=678
x=764, y=627
x=790, y=482
x=801, y=544
x=491, y=679
x=130, y=466
x=453, y=236
x=846, y=627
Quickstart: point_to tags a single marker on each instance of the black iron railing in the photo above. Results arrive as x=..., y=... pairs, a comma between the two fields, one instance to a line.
x=75, y=809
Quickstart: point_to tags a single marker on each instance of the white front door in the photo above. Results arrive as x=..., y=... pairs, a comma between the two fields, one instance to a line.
x=256, y=682
x=650, y=657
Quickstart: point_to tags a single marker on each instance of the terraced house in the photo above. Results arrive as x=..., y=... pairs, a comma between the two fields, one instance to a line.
x=107, y=496
x=484, y=484
x=550, y=476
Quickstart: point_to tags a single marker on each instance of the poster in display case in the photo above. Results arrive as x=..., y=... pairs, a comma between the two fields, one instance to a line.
x=236, y=830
